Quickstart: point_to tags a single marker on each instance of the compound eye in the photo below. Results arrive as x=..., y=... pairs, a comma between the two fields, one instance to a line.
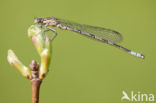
x=37, y=20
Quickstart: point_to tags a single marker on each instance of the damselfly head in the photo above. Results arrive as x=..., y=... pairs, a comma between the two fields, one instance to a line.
x=37, y=20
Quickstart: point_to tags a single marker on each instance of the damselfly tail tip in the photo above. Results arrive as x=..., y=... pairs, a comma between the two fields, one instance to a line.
x=137, y=54
x=142, y=56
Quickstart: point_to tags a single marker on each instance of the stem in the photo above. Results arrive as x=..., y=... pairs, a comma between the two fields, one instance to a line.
x=35, y=81
x=35, y=89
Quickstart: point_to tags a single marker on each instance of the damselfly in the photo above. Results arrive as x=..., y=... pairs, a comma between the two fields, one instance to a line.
x=102, y=34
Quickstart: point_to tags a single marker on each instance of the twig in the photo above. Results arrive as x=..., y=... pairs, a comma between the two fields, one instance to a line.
x=35, y=81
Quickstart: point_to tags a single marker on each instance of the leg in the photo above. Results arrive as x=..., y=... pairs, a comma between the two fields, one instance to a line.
x=53, y=30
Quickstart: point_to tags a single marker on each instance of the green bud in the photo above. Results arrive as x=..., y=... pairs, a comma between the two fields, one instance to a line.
x=42, y=43
x=16, y=63
x=34, y=30
x=47, y=42
x=38, y=41
x=36, y=33
x=45, y=61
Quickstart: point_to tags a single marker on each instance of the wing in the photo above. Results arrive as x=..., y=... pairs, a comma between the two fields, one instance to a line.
x=107, y=34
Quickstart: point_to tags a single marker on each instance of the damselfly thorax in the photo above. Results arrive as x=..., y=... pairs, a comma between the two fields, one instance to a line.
x=105, y=35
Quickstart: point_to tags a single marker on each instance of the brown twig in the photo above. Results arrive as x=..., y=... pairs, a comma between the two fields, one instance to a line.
x=35, y=81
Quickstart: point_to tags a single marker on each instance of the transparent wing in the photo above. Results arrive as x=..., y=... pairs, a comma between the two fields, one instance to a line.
x=107, y=34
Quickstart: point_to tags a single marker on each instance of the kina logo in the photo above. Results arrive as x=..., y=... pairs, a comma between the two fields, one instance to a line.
x=137, y=96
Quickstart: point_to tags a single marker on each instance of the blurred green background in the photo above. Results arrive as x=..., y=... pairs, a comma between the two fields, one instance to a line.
x=82, y=70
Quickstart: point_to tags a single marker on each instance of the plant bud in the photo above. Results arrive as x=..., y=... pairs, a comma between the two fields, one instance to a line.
x=47, y=42
x=38, y=41
x=34, y=30
x=16, y=63
x=45, y=61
